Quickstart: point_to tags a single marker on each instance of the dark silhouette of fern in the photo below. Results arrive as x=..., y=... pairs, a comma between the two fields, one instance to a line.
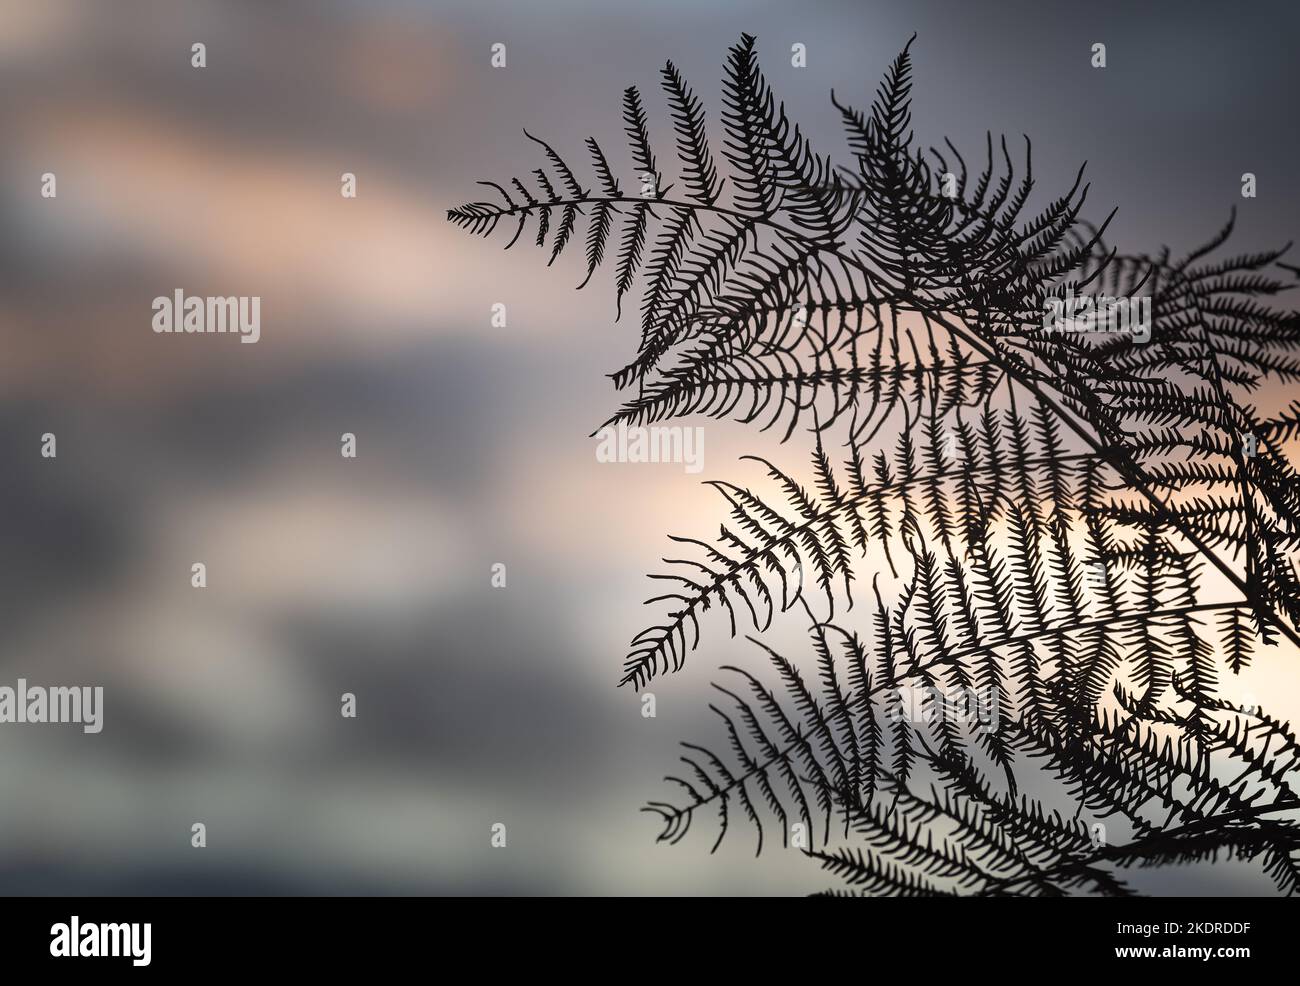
x=1095, y=531
x=836, y=760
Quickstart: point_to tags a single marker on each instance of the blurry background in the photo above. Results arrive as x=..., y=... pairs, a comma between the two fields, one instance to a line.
x=371, y=576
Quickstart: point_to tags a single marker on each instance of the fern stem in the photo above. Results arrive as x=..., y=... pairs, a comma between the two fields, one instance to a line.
x=1112, y=454
x=1146, y=614
x=645, y=665
x=1157, y=840
x=786, y=752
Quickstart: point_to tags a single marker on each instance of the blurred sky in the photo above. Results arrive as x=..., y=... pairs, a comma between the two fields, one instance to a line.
x=476, y=705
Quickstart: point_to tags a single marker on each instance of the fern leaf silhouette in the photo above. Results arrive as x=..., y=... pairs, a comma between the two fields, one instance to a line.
x=1044, y=457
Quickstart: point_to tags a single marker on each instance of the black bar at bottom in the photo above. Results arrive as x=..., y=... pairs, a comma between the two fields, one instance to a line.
x=213, y=935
